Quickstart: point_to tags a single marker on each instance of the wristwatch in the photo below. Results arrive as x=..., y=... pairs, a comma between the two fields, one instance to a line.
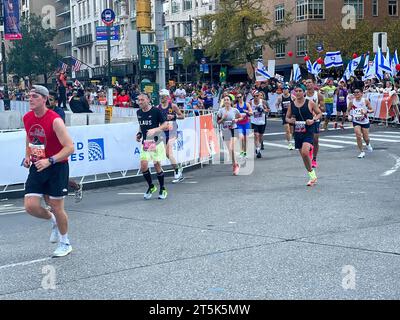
x=52, y=160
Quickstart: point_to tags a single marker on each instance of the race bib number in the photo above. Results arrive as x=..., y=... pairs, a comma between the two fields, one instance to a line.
x=358, y=116
x=227, y=125
x=300, y=126
x=285, y=105
x=37, y=152
x=341, y=98
x=149, y=145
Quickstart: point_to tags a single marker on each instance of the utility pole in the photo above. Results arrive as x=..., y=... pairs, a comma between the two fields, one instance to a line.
x=6, y=98
x=109, y=56
x=158, y=12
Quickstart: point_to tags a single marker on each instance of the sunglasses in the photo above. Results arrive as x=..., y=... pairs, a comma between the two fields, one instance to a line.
x=239, y=97
x=357, y=91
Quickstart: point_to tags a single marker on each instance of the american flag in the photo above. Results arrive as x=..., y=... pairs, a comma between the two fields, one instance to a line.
x=62, y=66
x=76, y=65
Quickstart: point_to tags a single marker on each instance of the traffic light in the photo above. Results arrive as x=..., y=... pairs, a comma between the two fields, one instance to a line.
x=143, y=15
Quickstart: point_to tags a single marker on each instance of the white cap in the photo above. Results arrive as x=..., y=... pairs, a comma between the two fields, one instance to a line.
x=164, y=92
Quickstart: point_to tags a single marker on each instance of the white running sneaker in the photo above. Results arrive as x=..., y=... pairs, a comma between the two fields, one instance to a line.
x=78, y=193
x=369, y=148
x=178, y=177
x=62, y=250
x=55, y=234
x=361, y=155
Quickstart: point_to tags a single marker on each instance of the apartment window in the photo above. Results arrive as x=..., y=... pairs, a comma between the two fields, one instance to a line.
x=315, y=9
x=301, y=46
x=173, y=32
x=375, y=8
x=301, y=10
x=166, y=32
x=358, y=5
x=280, y=50
x=175, y=7
x=279, y=13
x=393, y=8
x=94, y=6
x=187, y=4
x=88, y=8
x=187, y=29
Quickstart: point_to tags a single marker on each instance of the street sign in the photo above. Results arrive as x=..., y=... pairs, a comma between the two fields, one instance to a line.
x=151, y=89
x=108, y=16
x=102, y=47
x=101, y=33
x=319, y=47
x=379, y=40
x=148, y=57
x=203, y=60
x=171, y=63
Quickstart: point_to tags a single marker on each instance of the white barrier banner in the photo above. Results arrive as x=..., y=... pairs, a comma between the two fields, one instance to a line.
x=98, y=149
x=12, y=155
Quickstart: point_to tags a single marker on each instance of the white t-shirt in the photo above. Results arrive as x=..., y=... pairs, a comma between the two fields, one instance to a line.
x=180, y=95
x=230, y=115
x=258, y=117
x=355, y=111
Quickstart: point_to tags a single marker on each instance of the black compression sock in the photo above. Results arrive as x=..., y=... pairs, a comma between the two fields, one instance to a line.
x=160, y=177
x=147, y=177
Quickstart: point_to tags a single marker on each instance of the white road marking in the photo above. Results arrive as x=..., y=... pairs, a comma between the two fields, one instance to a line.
x=191, y=182
x=334, y=146
x=389, y=132
x=24, y=263
x=383, y=136
x=276, y=145
x=372, y=139
x=130, y=193
x=12, y=212
x=394, y=168
x=338, y=141
x=7, y=205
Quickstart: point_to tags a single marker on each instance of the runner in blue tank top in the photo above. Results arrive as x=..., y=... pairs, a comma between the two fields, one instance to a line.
x=243, y=125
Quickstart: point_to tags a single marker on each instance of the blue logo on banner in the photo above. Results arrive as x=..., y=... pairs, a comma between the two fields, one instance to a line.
x=96, y=149
x=179, y=140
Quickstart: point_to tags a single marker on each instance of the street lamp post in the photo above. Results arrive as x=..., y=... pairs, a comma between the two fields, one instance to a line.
x=6, y=98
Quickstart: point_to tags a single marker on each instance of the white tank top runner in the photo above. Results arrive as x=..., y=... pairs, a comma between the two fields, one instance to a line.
x=355, y=111
x=313, y=97
x=258, y=118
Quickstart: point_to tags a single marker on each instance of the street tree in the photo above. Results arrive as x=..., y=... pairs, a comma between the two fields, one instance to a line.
x=240, y=30
x=33, y=55
x=348, y=41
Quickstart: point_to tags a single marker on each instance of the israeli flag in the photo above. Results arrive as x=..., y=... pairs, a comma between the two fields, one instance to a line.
x=314, y=68
x=333, y=59
x=351, y=67
x=296, y=73
x=383, y=63
x=395, y=60
x=261, y=72
x=368, y=69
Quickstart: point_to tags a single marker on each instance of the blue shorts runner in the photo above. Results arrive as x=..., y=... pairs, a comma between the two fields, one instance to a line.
x=329, y=109
x=364, y=126
x=242, y=128
x=300, y=138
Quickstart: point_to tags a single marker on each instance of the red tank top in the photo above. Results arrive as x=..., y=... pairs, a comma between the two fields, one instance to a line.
x=43, y=141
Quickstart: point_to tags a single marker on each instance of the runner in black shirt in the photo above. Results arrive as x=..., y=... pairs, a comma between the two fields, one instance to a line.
x=152, y=124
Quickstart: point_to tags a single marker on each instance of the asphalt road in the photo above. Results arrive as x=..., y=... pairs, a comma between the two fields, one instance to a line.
x=259, y=236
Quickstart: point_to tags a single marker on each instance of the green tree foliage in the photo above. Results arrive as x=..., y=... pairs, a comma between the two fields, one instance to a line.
x=358, y=40
x=239, y=32
x=186, y=51
x=33, y=55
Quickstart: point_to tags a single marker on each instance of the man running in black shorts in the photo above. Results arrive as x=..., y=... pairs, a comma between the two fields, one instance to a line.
x=48, y=146
x=152, y=126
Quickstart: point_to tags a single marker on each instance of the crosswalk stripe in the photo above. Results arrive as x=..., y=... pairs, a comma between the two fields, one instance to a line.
x=338, y=141
x=372, y=139
x=384, y=140
x=389, y=132
x=334, y=146
x=275, y=145
x=383, y=136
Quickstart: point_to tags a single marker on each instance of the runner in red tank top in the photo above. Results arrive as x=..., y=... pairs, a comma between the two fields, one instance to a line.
x=48, y=146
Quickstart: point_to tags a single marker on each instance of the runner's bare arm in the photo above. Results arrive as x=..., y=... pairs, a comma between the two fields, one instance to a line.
x=27, y=160
x=65, y=140
x=179, y=113
x=250, y=109
x=368, y=104
x=289, y=115
x=317, y=111
x=321, y=102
